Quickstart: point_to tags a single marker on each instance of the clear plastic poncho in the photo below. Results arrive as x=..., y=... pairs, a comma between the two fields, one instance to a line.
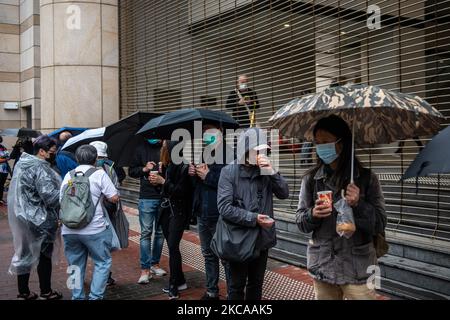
x=33, y=206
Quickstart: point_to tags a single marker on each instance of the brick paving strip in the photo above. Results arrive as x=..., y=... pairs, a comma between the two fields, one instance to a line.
x=282, y=281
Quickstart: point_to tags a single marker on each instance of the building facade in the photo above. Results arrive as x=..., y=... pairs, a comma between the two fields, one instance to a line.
x=88, y=63
x=59, y=63
x=20, y=101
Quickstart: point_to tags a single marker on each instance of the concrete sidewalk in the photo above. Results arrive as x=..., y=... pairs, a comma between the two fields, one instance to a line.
x=282, y=281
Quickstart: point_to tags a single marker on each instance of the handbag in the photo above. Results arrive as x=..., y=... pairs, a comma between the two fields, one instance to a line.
x=380, y=244
x=234, y=242
x=166, y=206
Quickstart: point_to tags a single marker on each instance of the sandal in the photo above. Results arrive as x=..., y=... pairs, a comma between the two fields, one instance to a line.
x=29, y=296
x=52, y=295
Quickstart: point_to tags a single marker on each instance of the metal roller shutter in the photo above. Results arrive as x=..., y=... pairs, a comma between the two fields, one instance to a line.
x=179, y=53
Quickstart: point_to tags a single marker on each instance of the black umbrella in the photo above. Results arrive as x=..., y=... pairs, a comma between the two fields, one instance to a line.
x=433, y=159
x=121, y=137
x=20, y=133
x=163, y=126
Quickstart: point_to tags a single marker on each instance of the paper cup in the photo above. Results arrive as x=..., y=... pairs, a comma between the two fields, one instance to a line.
x=326, y=197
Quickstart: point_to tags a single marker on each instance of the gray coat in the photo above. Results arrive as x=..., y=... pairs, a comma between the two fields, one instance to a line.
x=237, y=198
x=334, y=259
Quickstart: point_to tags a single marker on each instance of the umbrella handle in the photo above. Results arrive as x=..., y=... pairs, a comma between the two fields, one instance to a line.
x=352, y=181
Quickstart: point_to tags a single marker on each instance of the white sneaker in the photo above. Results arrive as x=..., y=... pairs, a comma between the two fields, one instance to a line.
x=144, y=279
x=182, y=287
x=157, y=270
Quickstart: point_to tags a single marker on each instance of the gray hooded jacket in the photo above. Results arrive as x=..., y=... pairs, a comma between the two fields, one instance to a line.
x=243, y=193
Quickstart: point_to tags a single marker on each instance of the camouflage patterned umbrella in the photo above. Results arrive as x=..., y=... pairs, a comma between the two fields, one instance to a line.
x=377, y=115
x=381, y=116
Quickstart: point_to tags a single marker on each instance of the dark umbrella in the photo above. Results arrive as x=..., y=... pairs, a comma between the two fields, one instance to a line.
x=121, y=137
x=433, y=159
x=73, y=131
x=20, y=133
x=163, y=126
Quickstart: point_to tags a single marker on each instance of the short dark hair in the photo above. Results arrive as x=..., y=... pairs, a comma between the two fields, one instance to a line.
x=86, y=154
x=43, y=142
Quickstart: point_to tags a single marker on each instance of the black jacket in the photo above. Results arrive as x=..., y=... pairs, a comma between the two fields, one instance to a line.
x=240, y=113
x=178, y=188
x=145, y=153
x=205, y=191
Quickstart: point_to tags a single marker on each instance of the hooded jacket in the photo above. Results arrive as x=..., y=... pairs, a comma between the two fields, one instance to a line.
x=33, y=206
x=243, y=192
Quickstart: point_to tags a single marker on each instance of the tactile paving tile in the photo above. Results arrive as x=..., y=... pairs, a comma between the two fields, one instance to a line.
x=276, y=286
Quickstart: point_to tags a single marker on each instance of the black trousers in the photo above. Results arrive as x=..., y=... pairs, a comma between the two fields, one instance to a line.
x=3, y=177
x=173, y=228
x=248, y=277
x=44, y=270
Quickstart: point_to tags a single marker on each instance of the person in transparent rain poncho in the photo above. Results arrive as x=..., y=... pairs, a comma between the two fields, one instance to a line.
x=33, y=206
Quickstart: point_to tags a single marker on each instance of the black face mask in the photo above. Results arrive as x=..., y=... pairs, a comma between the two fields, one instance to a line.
x=51, y=158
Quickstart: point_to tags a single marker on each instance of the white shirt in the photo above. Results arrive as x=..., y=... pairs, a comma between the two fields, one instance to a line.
x=100, y=184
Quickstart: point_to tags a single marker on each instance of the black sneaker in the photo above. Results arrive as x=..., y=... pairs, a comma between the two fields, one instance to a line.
x=173, y=293
x=52, y=295
x=207, y=296
x=29, y=296
x=110, y=281
x=181, y=287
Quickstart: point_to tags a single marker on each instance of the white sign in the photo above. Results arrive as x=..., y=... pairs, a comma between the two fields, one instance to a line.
x=11, y=105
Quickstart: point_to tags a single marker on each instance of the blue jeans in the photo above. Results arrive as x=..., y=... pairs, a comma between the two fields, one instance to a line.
x=98, y=246
x=148, y=214
x=206, y=230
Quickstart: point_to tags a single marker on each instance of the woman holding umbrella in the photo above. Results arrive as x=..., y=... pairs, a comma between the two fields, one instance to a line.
x=339, y=265
x=176, y=209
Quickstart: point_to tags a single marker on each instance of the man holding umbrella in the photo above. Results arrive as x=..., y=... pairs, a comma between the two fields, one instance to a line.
x=145, y=161
x=206, y=182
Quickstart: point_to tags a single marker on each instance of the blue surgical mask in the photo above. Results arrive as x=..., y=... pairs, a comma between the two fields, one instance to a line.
x=210, y=138
x=154, y=141
x=327, y=152
x=100, y=162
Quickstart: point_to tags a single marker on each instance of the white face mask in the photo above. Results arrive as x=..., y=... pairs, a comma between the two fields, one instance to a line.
x=243, y=86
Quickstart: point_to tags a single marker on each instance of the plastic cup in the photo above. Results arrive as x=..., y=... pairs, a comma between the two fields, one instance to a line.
x=326, y=197
x=269, y=219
